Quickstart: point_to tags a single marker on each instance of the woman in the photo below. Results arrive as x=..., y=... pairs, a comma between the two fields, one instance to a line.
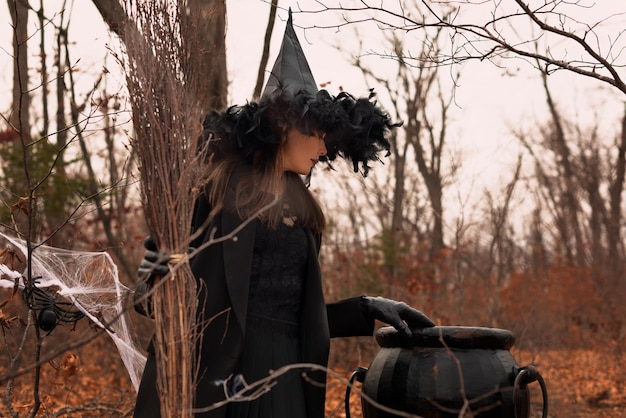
x=261, y=298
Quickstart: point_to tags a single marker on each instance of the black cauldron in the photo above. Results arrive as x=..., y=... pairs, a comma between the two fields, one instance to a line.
x=446, y=372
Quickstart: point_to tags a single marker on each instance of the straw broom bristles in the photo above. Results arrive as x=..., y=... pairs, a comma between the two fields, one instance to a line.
x=166, y=119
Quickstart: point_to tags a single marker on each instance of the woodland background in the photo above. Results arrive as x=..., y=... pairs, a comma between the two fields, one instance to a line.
x=540, y=252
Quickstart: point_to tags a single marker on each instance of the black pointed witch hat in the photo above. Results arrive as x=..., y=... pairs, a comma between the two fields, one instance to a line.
x=291, y=71
x=355, y=129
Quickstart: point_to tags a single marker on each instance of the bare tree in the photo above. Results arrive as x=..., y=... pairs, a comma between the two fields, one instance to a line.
x=551, y=36
x=21, y=100
x=570, y=38
x=74, y=111
x=575, y=232
x=566, y=203
x=407, y=200
x=423, y=135
x=49, y=193
x=502, y=250
x=580, y=178
x=260, y=79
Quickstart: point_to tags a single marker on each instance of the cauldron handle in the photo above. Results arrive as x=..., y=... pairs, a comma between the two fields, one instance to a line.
x=526, y=375
x=359, y=375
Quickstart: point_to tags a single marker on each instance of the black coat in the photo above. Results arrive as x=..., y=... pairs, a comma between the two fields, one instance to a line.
x=223, y=273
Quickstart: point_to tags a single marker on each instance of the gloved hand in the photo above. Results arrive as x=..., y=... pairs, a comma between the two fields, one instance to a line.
x=153, y=264
x=397, y=314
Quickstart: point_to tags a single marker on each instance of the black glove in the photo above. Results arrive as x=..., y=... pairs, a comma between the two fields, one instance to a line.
x=398, y=314
x=153, y=264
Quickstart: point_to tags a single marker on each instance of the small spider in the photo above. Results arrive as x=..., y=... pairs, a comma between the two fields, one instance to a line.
x=51, y=309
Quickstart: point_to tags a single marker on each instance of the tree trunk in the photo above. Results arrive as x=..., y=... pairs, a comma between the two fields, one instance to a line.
x=616, y=190
x=260, y=79
x=208, y=18
x=568, y=203
x=21, y=99
x=207, y=21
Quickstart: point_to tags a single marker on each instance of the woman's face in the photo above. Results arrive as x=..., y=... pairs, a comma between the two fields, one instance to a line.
x=300, y=152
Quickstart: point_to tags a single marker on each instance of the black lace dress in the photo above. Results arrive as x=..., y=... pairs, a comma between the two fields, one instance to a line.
x=272, y=328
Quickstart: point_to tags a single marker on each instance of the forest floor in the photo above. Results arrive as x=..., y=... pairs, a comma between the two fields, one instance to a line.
x=91, y=382
x=580, y=384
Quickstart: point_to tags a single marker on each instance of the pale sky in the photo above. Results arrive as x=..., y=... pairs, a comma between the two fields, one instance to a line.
x=488, y=102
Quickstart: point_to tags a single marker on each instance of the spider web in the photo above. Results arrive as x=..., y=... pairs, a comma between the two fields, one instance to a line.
x=90, y=280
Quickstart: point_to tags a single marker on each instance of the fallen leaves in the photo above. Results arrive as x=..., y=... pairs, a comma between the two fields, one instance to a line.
x=90, y=381
x=67, y=369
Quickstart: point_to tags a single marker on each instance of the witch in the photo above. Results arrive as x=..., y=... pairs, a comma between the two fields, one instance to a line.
x=261, y=302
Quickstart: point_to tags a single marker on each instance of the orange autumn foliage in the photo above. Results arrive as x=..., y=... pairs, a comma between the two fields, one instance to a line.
x=561, y=317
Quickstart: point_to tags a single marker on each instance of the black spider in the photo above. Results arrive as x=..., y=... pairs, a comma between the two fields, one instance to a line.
x=51, y=309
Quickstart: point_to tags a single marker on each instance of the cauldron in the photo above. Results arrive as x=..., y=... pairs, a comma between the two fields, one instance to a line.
x=446, y=372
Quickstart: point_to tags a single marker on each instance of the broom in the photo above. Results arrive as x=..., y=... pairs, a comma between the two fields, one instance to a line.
x=166, y=118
